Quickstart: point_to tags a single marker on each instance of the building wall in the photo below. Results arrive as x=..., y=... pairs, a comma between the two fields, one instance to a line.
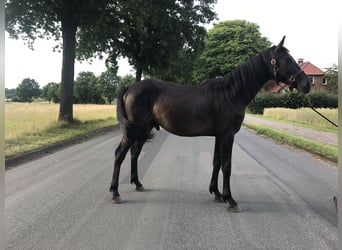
x=318, y=83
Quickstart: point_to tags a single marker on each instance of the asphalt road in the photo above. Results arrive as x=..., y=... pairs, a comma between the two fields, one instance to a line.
x=62, y=201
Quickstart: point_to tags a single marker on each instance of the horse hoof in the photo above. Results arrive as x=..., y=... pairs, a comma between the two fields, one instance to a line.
x=140, y=189
x=234, y=209
x=117, y=200
x=218, y=199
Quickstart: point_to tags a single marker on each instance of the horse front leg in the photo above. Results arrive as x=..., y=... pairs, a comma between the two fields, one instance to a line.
x=135, y=152
x=226, y=158
x=213, y=188
x=120, y=154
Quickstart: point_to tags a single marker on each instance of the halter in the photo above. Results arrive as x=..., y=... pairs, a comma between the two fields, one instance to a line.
x=291, y=79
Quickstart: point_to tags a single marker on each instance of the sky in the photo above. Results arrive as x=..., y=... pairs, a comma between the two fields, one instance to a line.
x=311, y=29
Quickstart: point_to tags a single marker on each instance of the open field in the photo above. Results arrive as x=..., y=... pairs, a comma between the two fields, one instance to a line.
x=304, y=116
x=34, y=125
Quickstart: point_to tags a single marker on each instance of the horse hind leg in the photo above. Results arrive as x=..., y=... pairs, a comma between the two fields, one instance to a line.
x=135, y=152
x=120, y=154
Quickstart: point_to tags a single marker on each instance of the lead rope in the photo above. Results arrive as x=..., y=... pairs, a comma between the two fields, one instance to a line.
x=326, y=118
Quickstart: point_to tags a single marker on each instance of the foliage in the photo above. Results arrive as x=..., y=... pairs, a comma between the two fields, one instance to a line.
x=108, y=83
x=28, y=89
x=50, y=92
x=149, y=33
x=10, y=94
x=89, y=88
x=32, y=19
x=323, y=99
x=227, y=45
x=180, y=68
x=293, y=100
x=331, y=74
x=125, y=81
x=86, y=89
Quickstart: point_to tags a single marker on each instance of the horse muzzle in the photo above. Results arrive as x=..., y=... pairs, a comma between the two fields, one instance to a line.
x=303, y=86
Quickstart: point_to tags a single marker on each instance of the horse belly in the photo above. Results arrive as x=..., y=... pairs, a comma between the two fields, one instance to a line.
x=184, y=121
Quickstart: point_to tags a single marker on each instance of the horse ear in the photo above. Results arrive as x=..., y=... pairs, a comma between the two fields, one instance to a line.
x=281, y=42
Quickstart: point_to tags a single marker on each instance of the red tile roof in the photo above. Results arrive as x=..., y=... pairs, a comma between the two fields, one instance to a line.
x=310, y=69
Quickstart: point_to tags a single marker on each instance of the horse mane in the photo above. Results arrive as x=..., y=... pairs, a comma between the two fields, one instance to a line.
x=242, y=82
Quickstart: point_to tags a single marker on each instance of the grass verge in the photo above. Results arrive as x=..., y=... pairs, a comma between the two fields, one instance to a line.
x=300, y=124
x=56, y=133
x=32, y=126
x=328, y=152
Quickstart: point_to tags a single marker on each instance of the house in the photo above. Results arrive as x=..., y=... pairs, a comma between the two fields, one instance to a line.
x=315, y=74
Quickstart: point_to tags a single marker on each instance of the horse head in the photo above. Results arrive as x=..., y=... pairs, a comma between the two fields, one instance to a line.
x=286, y=69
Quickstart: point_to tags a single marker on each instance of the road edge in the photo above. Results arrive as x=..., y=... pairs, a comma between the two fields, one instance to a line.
x=13, y=162
x=313, y=153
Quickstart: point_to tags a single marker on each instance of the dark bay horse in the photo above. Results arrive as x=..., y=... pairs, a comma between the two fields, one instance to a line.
x=214, y=108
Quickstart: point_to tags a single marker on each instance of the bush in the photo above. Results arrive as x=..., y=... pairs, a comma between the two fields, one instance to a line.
x=323, y=99
x=292, y=100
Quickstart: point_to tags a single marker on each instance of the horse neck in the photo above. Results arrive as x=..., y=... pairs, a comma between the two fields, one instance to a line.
x=246, y=81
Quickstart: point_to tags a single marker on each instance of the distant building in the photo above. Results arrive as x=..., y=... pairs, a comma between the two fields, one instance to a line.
x=315, y=74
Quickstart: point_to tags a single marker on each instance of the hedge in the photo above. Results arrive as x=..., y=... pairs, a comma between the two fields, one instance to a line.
x=293, y=99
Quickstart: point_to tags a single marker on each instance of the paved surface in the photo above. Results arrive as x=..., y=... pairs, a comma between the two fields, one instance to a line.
x=324, y=137
x=61, y=201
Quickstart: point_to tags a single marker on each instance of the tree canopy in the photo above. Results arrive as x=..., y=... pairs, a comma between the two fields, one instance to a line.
x=331, y=74
x=54, y=19
x=51, y=92
x=148, y=32
x=28, y=89
x=227, y=45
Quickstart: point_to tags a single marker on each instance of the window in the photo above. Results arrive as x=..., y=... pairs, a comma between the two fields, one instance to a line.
x=312, y=80
x=325, y=82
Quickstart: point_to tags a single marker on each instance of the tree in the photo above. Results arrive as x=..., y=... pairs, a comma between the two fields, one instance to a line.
x=87, y=89
x=31, y=19
x=151, y=38
x=227, y=45
x=10, y=94
x=331, y=74
x=108, y=82
x=124, y=81
x=51, y=92
x=28, y=89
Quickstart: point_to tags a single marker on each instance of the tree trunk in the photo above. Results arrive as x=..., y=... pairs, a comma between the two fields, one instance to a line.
x=69, y=13
x=138, y=73
x=69, y=28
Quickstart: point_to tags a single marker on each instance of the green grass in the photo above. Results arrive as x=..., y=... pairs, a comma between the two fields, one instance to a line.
x=32, y=126
x=325, y=151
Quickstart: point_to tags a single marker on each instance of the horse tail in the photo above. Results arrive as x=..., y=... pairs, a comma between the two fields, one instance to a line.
x=131, y=131
x=120, y=108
